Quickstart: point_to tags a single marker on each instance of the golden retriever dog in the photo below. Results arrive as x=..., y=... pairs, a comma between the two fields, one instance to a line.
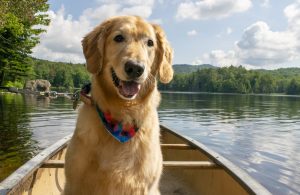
x=125, y=55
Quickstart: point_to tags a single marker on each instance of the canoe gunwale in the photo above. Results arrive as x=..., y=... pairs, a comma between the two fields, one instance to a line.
x=23, y=173
x=249, y=184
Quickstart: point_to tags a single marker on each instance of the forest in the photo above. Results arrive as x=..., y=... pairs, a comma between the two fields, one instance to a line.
x=237, y=80
x=60, y=74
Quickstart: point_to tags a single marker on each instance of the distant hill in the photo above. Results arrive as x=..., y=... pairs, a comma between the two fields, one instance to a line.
x=187, y=68
x=286, y=72
x=281, y=72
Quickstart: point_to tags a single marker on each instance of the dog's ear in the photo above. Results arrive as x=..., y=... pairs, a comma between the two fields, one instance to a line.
x=164, y=56
x=93, y=45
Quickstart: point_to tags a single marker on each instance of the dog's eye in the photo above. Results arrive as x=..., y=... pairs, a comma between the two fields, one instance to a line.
x=119, y=38
x=150, y=43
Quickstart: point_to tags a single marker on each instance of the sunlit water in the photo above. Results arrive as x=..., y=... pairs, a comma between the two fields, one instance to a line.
x=260, y=134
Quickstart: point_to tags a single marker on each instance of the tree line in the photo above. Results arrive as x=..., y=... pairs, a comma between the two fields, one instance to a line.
x=237, y=80
x=60, y=74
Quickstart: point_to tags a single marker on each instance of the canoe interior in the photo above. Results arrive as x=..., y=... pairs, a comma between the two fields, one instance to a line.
x=195, y=181
x=47, y=180
x=188, y=180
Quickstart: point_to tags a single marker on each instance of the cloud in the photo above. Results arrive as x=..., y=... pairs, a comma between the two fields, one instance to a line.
x=292, y=12
x=198, y=61
x=260, y=46
x=211, y=9
x=62, y=41
x=220, y=58
x=141, y=8
x=108, y=10
x=192, y=33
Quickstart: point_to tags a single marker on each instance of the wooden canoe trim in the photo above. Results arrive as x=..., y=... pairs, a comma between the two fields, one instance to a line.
x=166, y=164
x=177, y=146
x=190, y=164
x=53, y=164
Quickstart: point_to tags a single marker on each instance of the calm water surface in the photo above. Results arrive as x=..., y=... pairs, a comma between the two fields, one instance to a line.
x=260, y=134
x=28, y=125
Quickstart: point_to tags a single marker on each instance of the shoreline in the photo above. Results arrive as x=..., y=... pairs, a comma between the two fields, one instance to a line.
x=243, y=94
x=199, y=92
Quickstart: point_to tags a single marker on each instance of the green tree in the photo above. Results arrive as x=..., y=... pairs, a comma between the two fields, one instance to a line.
x=267, y=84
x=20, y=26
x=294, y=87
x=80, y=76
x=61, y=75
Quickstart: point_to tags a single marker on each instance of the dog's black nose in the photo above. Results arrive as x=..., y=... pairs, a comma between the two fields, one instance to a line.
x=134, y=70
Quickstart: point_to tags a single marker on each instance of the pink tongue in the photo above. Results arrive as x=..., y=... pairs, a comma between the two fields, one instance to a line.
x=129, y=88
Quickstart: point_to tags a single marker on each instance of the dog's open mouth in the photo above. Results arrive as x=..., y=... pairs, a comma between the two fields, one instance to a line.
x=128, y=89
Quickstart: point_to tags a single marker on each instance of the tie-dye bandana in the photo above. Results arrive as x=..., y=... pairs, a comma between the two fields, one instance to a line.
x=122, y=133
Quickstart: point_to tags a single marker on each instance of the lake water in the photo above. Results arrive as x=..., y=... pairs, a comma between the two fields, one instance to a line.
x=260, y=134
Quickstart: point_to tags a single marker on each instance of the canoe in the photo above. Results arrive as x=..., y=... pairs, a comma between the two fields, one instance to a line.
x=189, y=168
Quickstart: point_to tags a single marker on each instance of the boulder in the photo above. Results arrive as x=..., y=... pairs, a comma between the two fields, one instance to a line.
x=37, y=85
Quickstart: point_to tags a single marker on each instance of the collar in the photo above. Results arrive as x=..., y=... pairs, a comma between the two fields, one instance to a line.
x=120, y=132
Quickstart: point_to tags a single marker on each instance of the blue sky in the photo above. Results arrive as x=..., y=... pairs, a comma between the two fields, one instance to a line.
x=256, y=34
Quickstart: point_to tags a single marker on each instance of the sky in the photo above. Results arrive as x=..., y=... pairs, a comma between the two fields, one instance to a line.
x=255, y=34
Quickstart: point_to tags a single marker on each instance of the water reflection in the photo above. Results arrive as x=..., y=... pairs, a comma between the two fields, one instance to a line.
x=16, y=143
x=29, y=124
x=261, y=134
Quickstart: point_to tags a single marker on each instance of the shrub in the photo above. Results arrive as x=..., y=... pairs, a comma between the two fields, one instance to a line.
x=17, y=84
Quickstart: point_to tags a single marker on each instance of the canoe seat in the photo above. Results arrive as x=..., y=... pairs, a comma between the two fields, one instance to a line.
x=166, y=164
x=190, y=164
x=177, y=146
x=53, y=164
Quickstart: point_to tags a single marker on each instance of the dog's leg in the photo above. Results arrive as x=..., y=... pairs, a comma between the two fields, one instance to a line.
x=154, y=189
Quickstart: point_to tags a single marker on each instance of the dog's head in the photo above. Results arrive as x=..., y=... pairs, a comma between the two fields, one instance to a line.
x=128, y=53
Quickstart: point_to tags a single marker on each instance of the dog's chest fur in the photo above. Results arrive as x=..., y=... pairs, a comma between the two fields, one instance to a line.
x=132, y=165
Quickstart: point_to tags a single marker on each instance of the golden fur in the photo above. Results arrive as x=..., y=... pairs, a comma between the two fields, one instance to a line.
x=96, y=163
